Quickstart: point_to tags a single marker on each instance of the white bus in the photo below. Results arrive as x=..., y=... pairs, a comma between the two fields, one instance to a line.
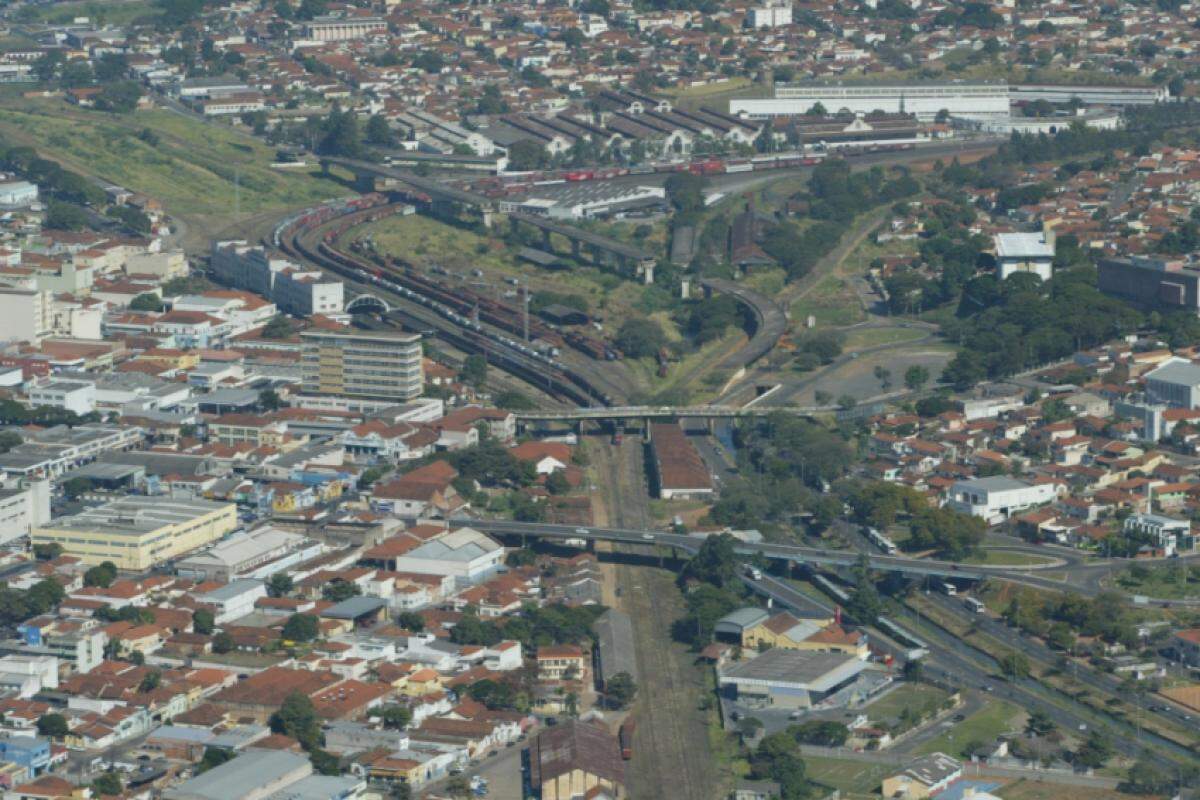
x=948, y=589
x=974, y=605
x=882, y=542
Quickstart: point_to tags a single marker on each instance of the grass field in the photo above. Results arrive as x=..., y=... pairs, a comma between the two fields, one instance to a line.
x=873, y=337
x=832, y=302
x=918, y=696
x=192, y=168
x=853, y=778
x=119, y=13
x=1037, y=790
x=1166, y=581
x=995, y=719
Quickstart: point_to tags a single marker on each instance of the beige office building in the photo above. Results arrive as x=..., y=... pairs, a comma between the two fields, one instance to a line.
x=382, y=365
x=137, y=533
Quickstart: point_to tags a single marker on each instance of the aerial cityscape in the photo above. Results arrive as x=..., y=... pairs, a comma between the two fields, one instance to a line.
x=599, y=400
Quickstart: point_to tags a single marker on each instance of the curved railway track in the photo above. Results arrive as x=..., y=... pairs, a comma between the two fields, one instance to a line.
x=313, y=239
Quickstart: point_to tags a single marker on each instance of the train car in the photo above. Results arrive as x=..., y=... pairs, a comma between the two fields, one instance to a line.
x=709, y=166
x=579, y=175
x=625, y=737
x=738, y=166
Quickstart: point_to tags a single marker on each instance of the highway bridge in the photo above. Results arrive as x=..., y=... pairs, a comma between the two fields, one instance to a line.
x=658, y=412
x=796, y=555
x=629, y=258
x=770, y=321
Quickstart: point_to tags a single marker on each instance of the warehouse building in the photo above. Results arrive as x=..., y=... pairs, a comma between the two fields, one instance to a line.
x=138, y=533
x=254, y=554
x=614, y=647
x=465, y=554
x=1089, y=95
x=263, y=774
x=790, y=678
x=1151, y=283
x=925, y=100
x=679, y=472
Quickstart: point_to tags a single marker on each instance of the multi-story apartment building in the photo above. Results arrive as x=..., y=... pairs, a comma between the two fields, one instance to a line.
x=379, y=364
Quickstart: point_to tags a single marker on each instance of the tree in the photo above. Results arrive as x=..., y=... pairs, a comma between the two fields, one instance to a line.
x=279, y=585
x=396, y=716
x=120, y=98
x=557, y=483
x=269, y=400
x=341, y=137
x=1039, y=723
x=147, y=301
x=338, y=590
x=915, y=377
x=474, y=371
x=620, y=690
x=686, y=191
x=223, y=643
x=279, y=327
x=379, y=133
x=48, y=551
x=301, y=628
x=1014, y=665
x=297, y=718
x=203, y=621
x=640, y=337
x=526, y=154
x=65, y=216
x=715, y=562
x=824, y=733
x=107, y=783
x=53, y=726
x=1095, y=751
x=101, y=575
x=213, y=757
x=458, y=786
x=150, y=681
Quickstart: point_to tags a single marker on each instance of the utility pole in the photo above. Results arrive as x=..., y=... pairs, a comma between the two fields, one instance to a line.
x=525, y=310
x=237, y=191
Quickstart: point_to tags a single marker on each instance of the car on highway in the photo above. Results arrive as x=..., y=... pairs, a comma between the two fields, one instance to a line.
x=583, y=531
x=648, y=536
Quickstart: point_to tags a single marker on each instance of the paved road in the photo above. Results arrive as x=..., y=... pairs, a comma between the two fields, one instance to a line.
x=1037, y=652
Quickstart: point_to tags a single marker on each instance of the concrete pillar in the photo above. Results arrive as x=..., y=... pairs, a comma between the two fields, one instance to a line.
x=648, y=272
x=489, y=218
x=712, y=426
x=646, y=429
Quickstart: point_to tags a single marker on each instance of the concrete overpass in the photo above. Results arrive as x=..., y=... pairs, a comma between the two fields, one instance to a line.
x=770, y=321
x=797, y=555
x=631, y=259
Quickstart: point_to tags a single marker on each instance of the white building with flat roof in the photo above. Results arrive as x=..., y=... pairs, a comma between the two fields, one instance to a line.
x=1176, y=383
x=1024, y=252
x=997, y=498
x=924, y=99
x=75, y=396
x=465, y=554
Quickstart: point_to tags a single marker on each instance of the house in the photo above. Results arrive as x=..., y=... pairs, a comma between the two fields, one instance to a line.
x=925, y=777
x=1024, y=252
x=425, y=491
x=1185, y=646
x=576, y=759
x=785, y=630
x=546, y=457
x=756, y=790
x=561, y=662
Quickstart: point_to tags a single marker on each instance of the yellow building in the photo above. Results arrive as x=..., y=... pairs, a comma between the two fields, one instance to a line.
x=137, y=533
x=818, y=636
x=576, y=759
x=923, y=778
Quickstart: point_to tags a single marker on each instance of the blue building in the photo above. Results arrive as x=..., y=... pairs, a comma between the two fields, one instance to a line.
x=30, y=752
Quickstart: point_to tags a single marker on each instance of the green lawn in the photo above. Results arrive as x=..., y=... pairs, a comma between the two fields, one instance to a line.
x=832, y=301
x=917, y=696
x=994, y=719
x=1175, y=580
x=192, y=167
x=110, y=13
x=873, y=337
x=853, y=778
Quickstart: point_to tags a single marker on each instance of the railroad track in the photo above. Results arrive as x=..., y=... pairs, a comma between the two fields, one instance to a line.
x=313, y=239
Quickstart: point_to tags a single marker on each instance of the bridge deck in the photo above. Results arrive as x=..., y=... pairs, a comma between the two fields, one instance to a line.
x=586, y=237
